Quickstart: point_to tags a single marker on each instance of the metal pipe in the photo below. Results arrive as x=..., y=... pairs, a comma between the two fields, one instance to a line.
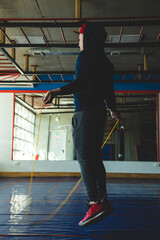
x=25, y=36
x=135, y=110
x=140, y=69
x=52, y=72
x=129, y=18
x=140, y=34
x=145, y=62
x=34, y=70
x=123, y=76
x=77, y=22
x=120, y=35
x=148, y=77
x=53, y=82
x=136, y=105
x=50, y=77
x=63, y=36
x=157, y=37
x=77, y=9
x=38, y=77
x=56, y=112
x=45, y=38
x=123, y=100
x=26, y=62
x=73, y=45
x=62, y=77
x=5, y=35
x=130, y=72
x=13, y=51
x=135, y=95
x=2, y=36
x=136, y=77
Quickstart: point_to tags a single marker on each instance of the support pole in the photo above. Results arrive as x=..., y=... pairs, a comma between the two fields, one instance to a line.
x=77, y=8
x=13, y=51
x=26, y=62
x=55, y=101
x=145, y=62
x=58, y=101
x=34, y=70
x=2, y=36
x=123, y=100
x=120, y=34
x=140, y=67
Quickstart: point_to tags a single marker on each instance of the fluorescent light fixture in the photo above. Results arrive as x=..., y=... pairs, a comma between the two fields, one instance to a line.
x=32, y=39
x=125, y=38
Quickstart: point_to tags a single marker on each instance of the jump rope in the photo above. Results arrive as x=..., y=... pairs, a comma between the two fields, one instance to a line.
x=31, y=178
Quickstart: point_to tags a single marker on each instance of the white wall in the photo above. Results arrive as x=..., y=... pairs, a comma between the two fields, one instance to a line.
x=7, y=165
x=6, y=113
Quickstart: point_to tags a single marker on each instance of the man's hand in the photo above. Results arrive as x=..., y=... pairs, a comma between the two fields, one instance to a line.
x=115, y=114
x=50, y=95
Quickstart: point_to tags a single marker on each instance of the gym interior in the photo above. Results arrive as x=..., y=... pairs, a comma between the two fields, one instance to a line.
x=44, y=197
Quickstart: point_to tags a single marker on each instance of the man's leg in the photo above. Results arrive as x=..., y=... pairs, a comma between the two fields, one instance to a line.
x=82, y=132
x=87, y=134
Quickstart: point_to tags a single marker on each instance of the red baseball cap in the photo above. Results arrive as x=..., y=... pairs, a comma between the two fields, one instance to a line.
x=81, y=29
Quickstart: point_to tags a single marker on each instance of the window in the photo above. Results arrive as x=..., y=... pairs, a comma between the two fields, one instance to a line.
x=24, y=124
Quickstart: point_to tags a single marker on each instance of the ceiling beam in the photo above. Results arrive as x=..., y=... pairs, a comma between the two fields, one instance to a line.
x=127, y=72
x=106, y=45
x=51, y=24
x=67, y=81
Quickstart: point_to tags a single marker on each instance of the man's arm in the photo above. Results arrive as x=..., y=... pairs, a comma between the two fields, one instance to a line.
x=110, y=101
x=75, y=86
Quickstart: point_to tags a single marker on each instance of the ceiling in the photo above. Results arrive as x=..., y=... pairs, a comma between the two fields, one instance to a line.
x=60, y=45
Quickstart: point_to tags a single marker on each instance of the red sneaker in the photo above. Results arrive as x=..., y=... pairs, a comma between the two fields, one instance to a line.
x=106, y=205
x=96, y=210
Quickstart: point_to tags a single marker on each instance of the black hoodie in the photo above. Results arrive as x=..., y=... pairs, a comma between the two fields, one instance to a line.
x=93, y=86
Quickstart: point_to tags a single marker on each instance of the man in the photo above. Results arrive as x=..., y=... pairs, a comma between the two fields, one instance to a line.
x=92, y=88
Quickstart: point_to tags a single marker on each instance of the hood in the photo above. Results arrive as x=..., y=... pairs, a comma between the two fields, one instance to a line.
x=94, y=37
